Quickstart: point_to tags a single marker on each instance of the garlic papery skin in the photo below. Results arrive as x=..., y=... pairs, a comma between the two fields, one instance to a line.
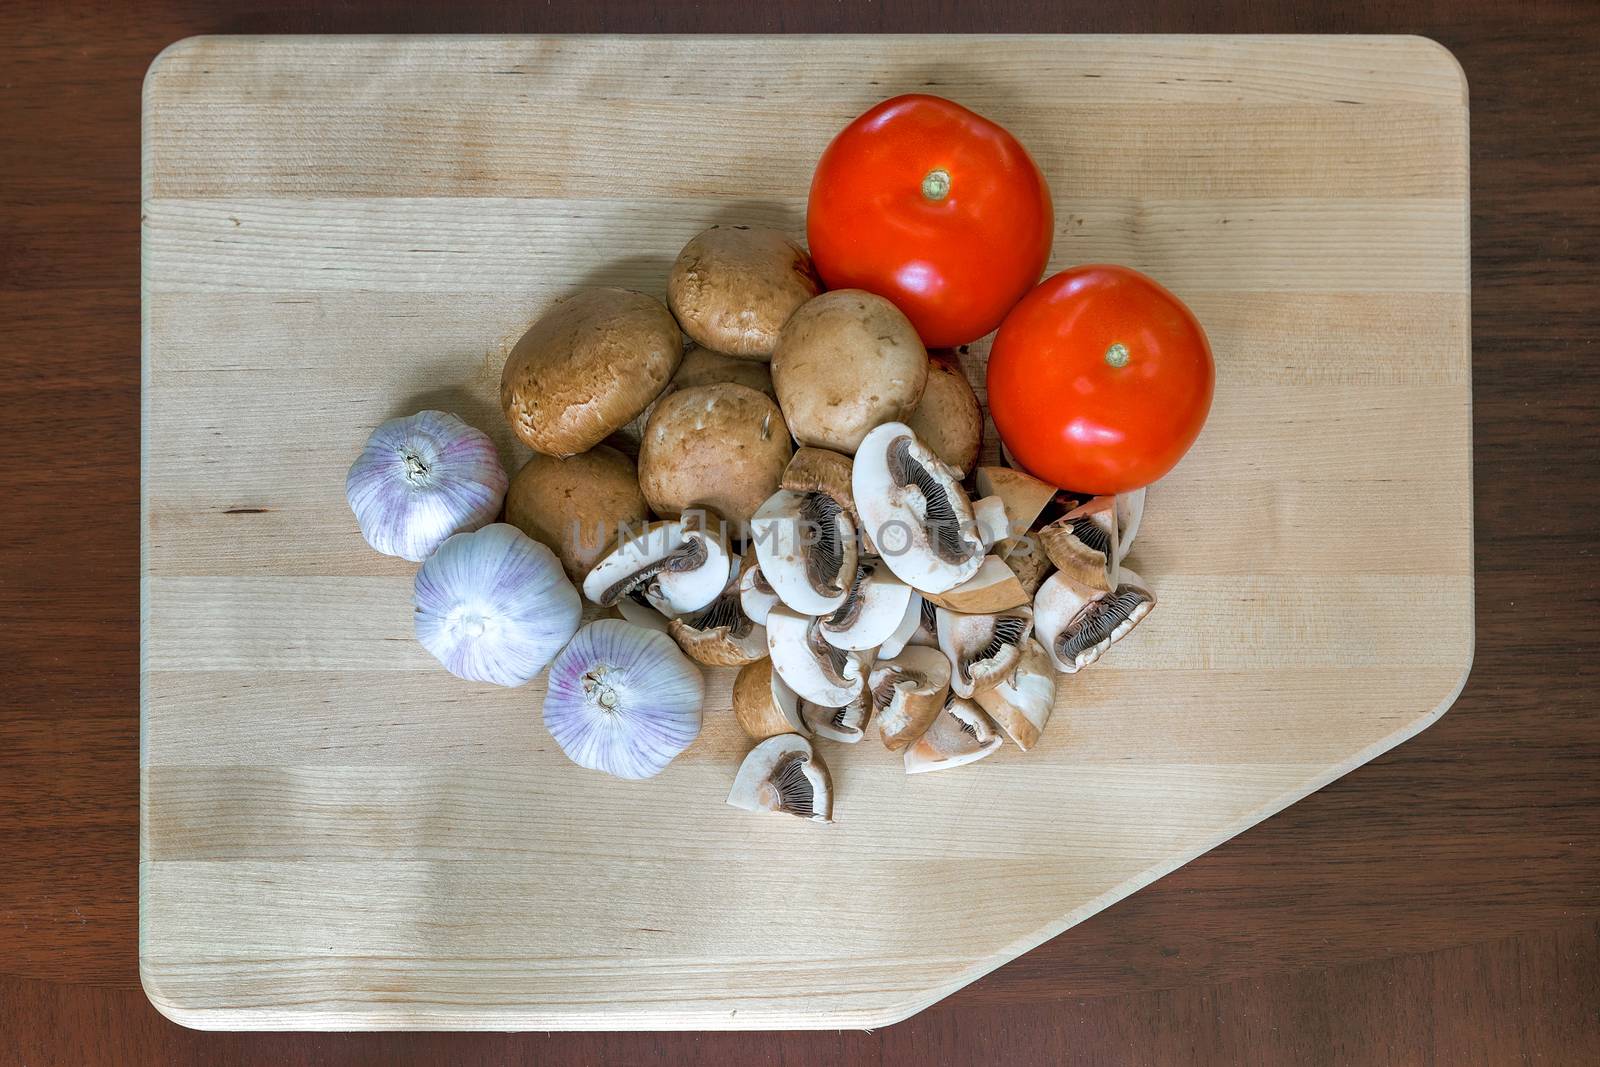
x=422, y=478
x=623, y=699
x=494, y=605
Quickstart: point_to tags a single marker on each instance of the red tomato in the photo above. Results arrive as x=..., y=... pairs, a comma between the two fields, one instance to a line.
x=936, y=209
x=1100, y=380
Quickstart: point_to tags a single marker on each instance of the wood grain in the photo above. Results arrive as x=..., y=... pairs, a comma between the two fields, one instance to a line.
x=1434, y=908
x=506, y=888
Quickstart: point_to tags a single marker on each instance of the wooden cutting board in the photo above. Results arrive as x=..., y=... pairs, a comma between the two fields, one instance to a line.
x=337, y=834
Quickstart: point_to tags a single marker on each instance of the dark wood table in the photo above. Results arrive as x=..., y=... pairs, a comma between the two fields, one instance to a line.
x=1438, y=905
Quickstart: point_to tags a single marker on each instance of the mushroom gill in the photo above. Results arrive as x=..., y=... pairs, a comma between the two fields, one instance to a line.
x=1099, y=620
x=940, y=513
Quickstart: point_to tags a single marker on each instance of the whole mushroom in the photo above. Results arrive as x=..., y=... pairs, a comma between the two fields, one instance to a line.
x=733, y=287
x=948, y=417
x=702, y=366
x=722, y=446
x=847, y=362
x=576, y=505
x=586, y=368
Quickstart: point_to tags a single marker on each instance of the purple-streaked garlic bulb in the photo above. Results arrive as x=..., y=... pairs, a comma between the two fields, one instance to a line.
x=422, y=478
x=494, y=605
x=623, y=699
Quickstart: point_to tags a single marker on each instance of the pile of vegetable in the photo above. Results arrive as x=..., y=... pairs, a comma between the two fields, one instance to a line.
x=806, y=503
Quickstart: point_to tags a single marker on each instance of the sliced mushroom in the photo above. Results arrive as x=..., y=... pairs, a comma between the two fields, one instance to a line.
x=821, y=470
x=1083, y=543
x=806, y=548
x=636, y=609
x=907, y=628
x=913, y=506
x=1022, y=702
x=847, y=724
x=1031, y=566
x=872, y=610
x=1024, y=496
x=763, y=705
x=733, y=287
x=907, y=693
x=720, y=634
x=961, y=733
x=1130, y=513
x=1076, y=624
x=948, y=417
x=989, y=515
x=783, y=774
x=756, y=594
x=814, y=669
x=995, y=587
x=677, y=566
x=926, y=635
x=982, y=649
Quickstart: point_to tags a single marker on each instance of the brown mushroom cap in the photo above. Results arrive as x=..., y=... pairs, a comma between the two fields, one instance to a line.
x=733, y=287
x=587, y=367
x=575, y=505
x=846, y=362
x=701, y=366
x=721, y=446
x=948, y=418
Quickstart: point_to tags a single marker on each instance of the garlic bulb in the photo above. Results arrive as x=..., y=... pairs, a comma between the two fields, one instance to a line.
x=494, y=605
x=422, y=478
x=623, y=699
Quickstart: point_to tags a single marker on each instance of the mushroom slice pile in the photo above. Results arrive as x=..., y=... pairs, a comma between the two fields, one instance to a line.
x=983, y=649
x=913, y=507
x=907, y=693
x=872, y=611
x=763, y=705
x=783, y=774
x=806, y=546
x=756, y=595
x=961, y=733
x=910, y=623
x=847, y=724
x=1022, y=702
x=814, y=669
x=720, y=634
x=1076, y=624
x=677, y=567
x=1083, y=543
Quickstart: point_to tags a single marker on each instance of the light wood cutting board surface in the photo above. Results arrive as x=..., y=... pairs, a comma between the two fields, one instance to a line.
x=337, y=834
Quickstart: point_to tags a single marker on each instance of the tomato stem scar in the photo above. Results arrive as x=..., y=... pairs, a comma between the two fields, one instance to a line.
x=1117, y=355
x=936, y=186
